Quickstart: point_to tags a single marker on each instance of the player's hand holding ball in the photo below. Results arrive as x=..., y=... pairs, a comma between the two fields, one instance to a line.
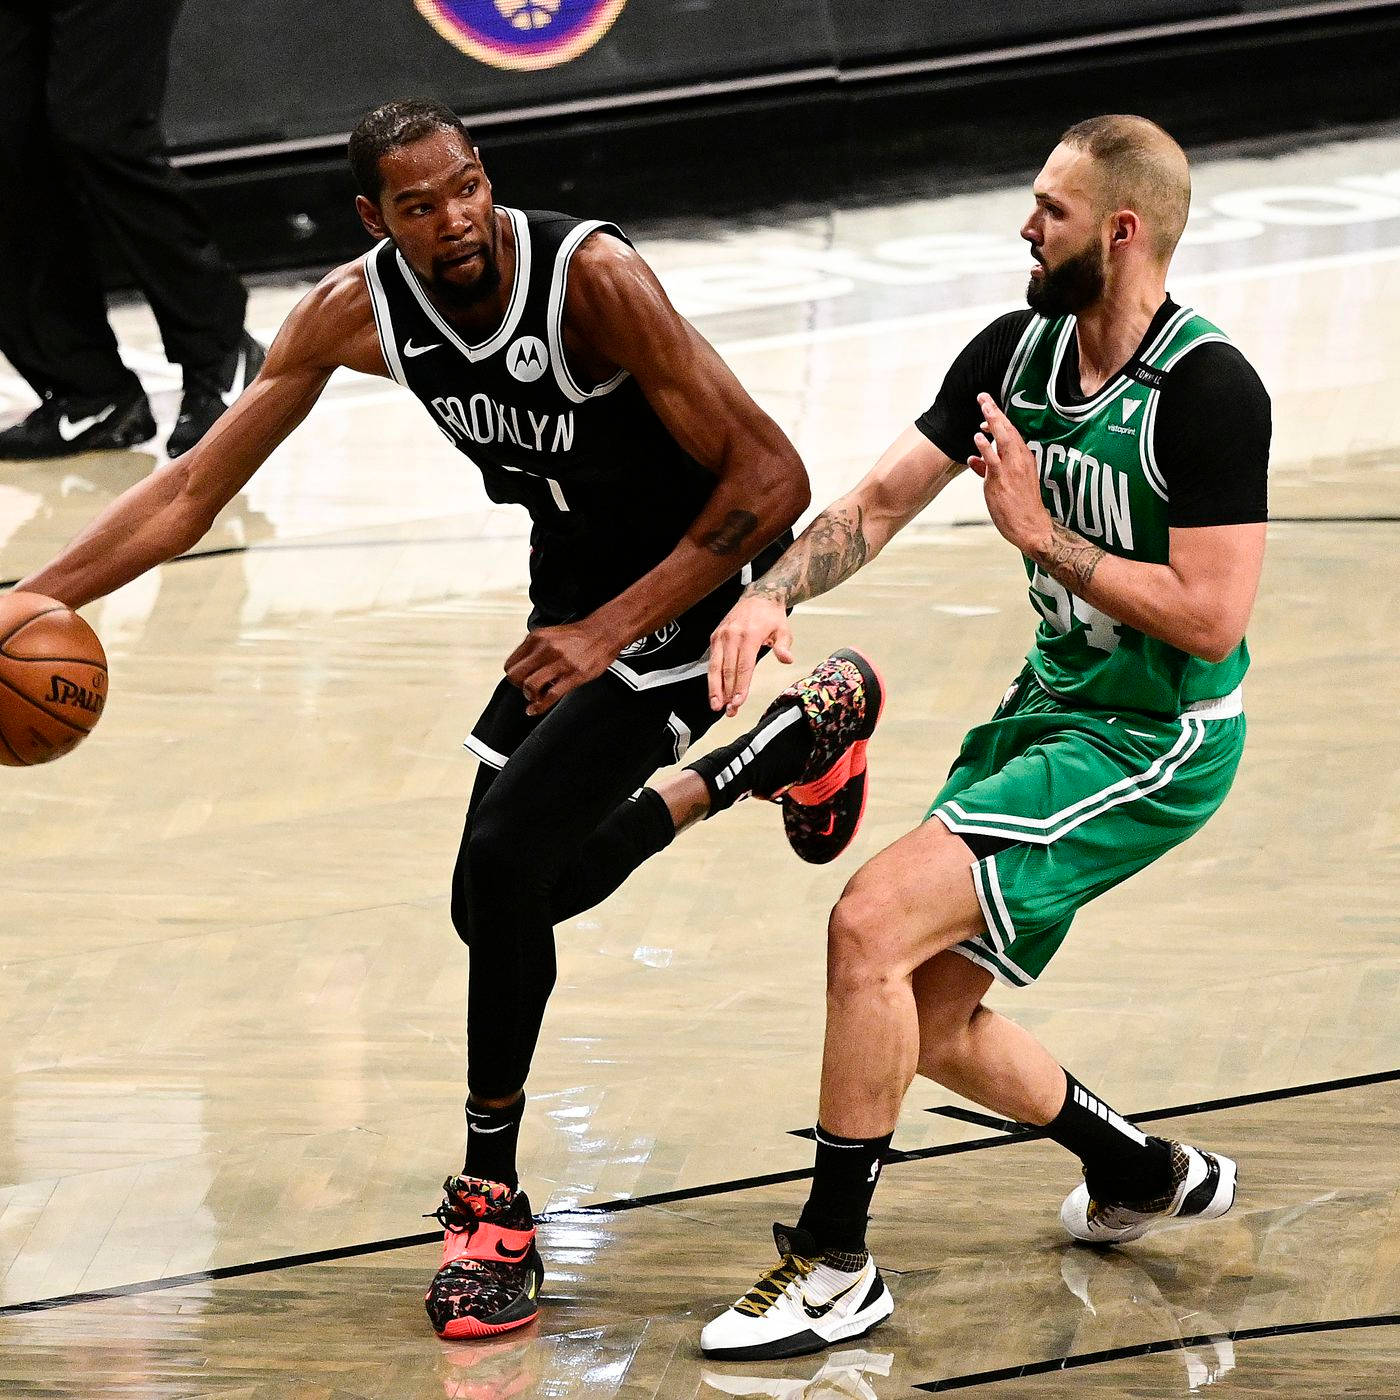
x=53, y=679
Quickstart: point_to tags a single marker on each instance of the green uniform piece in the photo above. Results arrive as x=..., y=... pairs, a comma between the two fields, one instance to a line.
x=1112, y=747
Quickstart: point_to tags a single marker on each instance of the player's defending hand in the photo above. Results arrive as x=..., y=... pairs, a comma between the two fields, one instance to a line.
x=1011, y=480
x=754, y=622
x=552, y=661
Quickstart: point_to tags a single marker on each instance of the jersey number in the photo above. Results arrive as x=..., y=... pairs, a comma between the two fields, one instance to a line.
x=1061, y=609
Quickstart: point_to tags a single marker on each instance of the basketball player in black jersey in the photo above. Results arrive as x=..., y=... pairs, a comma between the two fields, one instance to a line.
x=545, y=349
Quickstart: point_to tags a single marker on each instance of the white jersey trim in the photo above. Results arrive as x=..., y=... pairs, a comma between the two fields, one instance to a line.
x=554, y=318
x=383, y=322
x=649, y=680
x=519, y=289
x=1025, y=348
x=1119, y=381
x=484, y=752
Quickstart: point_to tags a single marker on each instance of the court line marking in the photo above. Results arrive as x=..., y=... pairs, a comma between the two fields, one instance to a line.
x=353, y=397
x=852, y=329
x=1023, y=1133
x=287, y=546
x=692, y=1193
x=1097, y=1358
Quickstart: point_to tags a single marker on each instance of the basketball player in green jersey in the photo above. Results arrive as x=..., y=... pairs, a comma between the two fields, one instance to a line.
x=1123, y=445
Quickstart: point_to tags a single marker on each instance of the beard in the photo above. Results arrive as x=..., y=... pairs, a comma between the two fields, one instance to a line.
x=1066, y=290
x=469, y=294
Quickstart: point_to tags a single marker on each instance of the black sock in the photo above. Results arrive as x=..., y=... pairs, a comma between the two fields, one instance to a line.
x=1120, y=1163
x=633, y=833
x=842, y=1187
x=768, y=757
x=491, y=1137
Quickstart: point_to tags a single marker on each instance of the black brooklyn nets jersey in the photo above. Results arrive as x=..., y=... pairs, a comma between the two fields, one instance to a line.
x=610, y=492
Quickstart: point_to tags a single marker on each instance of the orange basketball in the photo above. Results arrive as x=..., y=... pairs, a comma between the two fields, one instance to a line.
x=53, y=679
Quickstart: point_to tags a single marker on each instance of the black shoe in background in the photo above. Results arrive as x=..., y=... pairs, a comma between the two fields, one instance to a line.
x=208, y=392
x=68, y=425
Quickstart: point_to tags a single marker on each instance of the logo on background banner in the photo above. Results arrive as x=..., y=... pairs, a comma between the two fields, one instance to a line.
x=527, y=359
x=521, y=34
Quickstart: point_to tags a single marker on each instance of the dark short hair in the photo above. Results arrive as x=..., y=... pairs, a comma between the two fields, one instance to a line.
x=387, y=128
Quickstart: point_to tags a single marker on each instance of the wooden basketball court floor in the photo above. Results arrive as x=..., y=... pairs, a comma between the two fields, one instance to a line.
x=231, y=1002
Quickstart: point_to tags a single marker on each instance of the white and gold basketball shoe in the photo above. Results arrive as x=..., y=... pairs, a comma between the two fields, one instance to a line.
x=801, y=1305
x=1203, y=1188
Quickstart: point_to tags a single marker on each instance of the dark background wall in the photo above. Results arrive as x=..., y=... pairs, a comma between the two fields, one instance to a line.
x=693, y=108
x=275, y=70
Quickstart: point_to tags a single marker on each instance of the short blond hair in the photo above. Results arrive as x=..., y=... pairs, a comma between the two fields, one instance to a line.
x=1142, y=168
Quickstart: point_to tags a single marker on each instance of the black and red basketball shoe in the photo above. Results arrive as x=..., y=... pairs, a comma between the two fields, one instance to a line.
x=841, y=700
x=490, y=1276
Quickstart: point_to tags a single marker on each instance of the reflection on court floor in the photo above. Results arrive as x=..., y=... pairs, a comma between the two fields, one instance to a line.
x=231, y=999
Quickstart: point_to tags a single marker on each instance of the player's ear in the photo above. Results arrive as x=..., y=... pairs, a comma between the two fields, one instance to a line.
x=1125, y=227
x=370, y=217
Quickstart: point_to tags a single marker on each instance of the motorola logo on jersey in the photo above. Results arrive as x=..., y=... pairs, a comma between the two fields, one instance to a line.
x=527, y=359
x=521, y=34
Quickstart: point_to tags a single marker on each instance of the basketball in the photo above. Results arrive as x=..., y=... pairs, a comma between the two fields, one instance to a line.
x=53, y=679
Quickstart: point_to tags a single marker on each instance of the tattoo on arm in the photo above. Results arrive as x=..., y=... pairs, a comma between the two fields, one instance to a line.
x=830, y=549
x=1070, y=558
x=729, y=537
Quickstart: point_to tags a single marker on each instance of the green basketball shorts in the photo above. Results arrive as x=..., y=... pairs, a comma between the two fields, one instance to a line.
x=1087, y=797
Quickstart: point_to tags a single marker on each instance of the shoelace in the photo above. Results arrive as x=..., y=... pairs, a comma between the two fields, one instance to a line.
x=771, y=1286
x=451, y=1216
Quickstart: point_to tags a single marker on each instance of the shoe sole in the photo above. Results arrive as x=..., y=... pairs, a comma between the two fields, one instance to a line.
x=853, y=757
x=808, y=1342
x=466, y=1328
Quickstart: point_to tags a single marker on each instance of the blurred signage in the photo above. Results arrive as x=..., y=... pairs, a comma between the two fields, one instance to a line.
x=521, y=34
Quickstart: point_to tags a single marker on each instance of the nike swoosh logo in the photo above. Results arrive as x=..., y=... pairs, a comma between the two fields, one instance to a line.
x=68, y=430
x=410, y=349
x=1019, y=400
x=821, y=1309
x=240, y=380
x=506, y=1252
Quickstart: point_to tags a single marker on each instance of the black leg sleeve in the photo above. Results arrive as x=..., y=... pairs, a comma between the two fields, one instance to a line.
x=530, y=823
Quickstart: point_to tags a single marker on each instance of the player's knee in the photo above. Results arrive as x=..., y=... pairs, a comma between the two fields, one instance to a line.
x=860, y=951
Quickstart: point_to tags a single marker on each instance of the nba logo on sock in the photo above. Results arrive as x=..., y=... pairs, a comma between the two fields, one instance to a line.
x=521, y=34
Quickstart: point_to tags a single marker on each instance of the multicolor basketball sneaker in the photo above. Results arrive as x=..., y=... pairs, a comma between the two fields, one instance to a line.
x=490, y=1276
x=842, y=699
x=1203, y=1188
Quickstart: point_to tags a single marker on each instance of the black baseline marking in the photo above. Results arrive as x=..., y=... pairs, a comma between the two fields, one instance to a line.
x=1021, y=1133
x=660, y=1198
x=281, y=546
x=1097, y=1358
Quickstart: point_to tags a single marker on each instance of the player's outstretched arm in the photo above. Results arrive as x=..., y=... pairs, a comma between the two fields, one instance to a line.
x=171, y=510
x=619, y=312
x=850, y=532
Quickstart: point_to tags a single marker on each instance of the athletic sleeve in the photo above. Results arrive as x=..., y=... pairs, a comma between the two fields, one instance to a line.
x=981, y=365
x=1211, y=440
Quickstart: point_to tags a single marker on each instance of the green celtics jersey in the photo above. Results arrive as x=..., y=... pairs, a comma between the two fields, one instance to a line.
x=1099, y=476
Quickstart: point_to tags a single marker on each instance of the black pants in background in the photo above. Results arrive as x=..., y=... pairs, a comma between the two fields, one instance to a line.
x=550, y=835
x=82, y=83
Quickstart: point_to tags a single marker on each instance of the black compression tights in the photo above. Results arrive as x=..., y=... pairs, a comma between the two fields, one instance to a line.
x=548, y=836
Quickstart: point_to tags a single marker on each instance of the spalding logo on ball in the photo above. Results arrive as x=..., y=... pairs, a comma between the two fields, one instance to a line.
x=521, y=34
x=53, y=679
